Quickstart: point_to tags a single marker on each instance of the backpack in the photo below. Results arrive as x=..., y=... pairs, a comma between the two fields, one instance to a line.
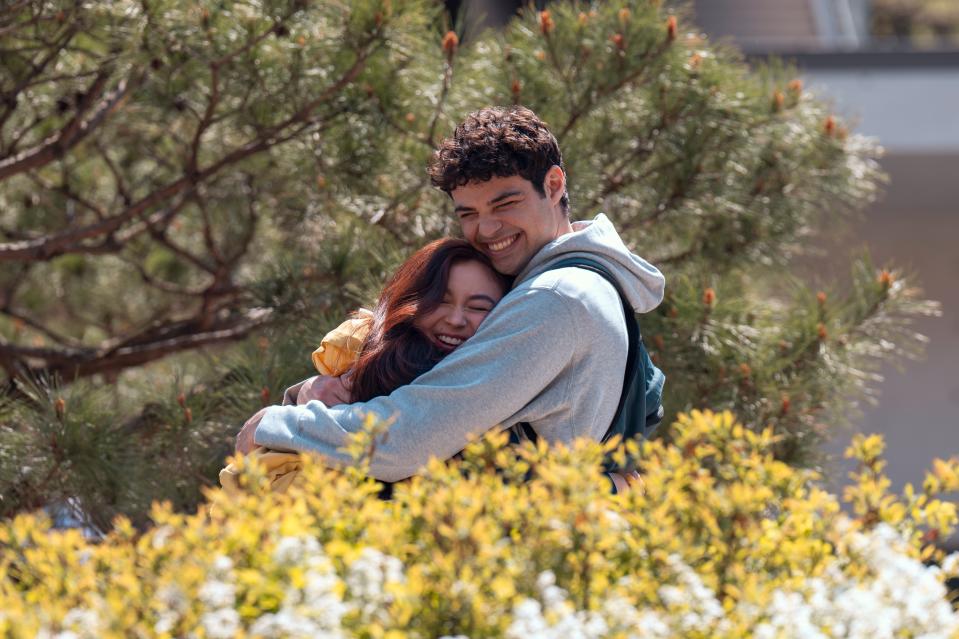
x=640, y=409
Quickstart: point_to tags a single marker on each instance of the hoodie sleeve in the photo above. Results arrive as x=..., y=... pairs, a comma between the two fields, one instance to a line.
x=519, y=350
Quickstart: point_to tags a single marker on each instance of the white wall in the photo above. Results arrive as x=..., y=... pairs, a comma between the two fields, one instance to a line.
x=914, y=112
x=910, y=110
x=914, y=227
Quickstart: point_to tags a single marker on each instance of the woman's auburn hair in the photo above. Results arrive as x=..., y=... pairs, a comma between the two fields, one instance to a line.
x=395, y=352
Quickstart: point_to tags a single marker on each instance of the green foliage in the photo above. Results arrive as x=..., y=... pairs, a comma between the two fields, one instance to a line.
x=72, y=445
x=194, y=193
x=784, y=364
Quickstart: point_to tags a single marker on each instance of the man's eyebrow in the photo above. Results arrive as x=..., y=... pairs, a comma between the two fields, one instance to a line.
x=503, y=196
x=496, y=200
x=480, y=296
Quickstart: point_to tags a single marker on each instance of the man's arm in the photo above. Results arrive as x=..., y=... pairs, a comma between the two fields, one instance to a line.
x=519, y=350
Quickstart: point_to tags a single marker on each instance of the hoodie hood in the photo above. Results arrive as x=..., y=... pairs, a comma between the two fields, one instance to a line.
x=641, y=282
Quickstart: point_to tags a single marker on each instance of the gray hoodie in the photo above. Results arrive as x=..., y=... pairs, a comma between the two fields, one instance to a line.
x=551, y=353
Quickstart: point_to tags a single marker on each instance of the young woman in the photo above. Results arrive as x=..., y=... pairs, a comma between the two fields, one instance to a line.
x=433, y=303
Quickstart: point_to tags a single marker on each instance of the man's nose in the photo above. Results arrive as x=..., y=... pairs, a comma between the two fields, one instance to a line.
x=489, y=227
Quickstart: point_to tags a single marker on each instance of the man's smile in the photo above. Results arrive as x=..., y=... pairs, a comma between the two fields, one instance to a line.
x=501, y=245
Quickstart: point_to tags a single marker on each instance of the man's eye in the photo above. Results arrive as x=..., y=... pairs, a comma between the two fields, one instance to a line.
x=505, y=205
x=465, y=214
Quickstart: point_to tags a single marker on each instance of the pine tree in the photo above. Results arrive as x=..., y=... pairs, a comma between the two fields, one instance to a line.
x=192, y=194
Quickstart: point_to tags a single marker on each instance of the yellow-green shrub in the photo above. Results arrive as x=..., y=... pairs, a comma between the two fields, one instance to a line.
x=723, y=542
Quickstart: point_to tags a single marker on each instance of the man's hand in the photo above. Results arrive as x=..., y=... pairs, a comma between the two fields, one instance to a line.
x=624, y=481
x=244, y=439
x=329, y=390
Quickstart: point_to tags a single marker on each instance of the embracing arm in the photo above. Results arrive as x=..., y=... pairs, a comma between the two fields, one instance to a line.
x=520, y=349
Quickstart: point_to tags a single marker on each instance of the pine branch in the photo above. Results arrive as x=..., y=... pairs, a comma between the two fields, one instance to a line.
x=72, y=133
x=72, y=363
x=48, y=247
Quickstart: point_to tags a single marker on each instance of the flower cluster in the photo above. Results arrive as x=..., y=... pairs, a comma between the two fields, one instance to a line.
x=723, y=541
x=900, y=598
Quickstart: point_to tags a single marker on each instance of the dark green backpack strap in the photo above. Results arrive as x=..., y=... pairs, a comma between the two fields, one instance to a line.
x=526, y=430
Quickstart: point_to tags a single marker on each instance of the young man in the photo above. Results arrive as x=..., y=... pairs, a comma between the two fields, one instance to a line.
x=552, y=353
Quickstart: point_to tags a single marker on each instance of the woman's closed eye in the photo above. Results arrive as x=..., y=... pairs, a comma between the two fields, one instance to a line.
x=480, y=302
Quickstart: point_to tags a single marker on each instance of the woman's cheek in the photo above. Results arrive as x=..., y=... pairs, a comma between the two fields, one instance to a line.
x=479, y=317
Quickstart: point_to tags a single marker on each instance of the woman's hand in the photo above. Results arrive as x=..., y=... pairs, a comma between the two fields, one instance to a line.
x=244, y=439
x=329, y=390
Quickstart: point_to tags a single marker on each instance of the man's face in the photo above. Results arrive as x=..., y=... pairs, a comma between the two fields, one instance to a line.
x=506, y=218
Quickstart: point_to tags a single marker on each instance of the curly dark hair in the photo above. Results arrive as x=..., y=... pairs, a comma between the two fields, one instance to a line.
x=497, y=142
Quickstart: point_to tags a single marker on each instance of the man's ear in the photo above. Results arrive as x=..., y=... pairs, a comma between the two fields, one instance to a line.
x=554, y=184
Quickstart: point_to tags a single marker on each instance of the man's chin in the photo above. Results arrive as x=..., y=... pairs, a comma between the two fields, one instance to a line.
x=505, y=269
x=508, y=264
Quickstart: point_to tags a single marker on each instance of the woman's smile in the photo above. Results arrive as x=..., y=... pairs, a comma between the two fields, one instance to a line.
x=450, y=340
x=472, y=291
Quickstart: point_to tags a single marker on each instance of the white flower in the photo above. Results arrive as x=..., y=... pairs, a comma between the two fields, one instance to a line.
x=80, y=623
x=692, y=605
x=950, y=565
x=552, y=595
x=368, y=578
x=173, y=603
x=317, y=610
x=292, y=550
x=222, y=564
x=161, y=535
x=898, y=597
x=218, y=594
x=615, y=521
x=172, y=597
x=166, y=622
x=290, y=624
x=652, y=626
x=221, y=624
x=623, y=617
x=528, y=621
x=555, y=617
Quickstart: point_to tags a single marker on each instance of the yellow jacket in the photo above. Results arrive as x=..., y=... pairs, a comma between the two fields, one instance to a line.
x=341, y=347
x=336, y=354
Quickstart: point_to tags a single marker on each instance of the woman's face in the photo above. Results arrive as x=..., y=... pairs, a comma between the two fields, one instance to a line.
x=471, y=293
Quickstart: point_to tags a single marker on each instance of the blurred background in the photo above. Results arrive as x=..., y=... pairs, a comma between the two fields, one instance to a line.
x=892, y=68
